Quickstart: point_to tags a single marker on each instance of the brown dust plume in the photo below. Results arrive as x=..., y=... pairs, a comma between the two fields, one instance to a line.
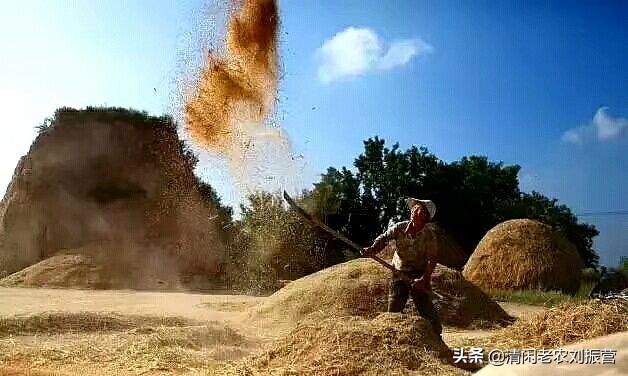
x=241, y=85
x=232, y=107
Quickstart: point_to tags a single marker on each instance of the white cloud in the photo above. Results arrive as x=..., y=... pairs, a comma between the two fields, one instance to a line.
x=608, y=127
x=602, y=127
x=357, y=51
x=574, y=135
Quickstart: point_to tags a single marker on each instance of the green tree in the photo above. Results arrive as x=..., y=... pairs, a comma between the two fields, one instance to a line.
x=274, y=243
x=386, y=176
x=472, y=194
x=623, y=264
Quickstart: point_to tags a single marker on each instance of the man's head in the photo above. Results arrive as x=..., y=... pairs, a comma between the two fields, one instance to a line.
x=421, y=207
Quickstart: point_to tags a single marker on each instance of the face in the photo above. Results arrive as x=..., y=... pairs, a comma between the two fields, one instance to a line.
x=416, y=213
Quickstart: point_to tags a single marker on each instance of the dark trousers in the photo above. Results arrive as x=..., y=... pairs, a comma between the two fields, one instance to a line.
x=398, y=296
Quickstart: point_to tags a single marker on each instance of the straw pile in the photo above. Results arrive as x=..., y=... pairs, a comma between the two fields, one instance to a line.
x=450, y=252
x=524, y=254
x=355, y=288
x=390, y=344
x=113, y=184
x=567, y=323
x=462, y=304
x=360, y=288
x=92, y=269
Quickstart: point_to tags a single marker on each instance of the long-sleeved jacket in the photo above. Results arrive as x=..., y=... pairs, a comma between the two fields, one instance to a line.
x=411, y=252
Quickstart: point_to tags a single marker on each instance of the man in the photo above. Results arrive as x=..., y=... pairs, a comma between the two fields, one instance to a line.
x=415, y=261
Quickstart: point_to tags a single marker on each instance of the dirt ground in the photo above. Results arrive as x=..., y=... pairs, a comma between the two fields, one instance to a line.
x=198, y=332
x=208, y=307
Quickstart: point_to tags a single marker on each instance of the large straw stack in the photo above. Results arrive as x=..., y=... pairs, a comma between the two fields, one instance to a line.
x=360, y=288
x=523, y=254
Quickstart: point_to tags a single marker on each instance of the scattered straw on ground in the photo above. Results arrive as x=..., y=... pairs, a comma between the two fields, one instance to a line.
x=390, y=344
x=80, y=322
x=107, y=344
x=564, y=324
x=580, y=367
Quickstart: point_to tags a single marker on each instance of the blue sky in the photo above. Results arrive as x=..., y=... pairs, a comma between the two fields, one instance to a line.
x=541, y=85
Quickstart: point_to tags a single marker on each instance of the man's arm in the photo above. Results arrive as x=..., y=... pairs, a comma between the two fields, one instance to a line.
x=424, y=282
x=381, y=241
x=429, y=269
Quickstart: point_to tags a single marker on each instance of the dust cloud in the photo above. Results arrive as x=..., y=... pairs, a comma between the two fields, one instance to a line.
x=231, y=111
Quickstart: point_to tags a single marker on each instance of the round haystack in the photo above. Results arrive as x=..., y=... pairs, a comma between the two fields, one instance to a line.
x=523, y=254
x=450, y=252
x=390, y=344
x=360, y=288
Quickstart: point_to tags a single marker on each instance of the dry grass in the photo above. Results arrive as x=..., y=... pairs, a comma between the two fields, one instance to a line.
x=354, y=288
x=110, y=344
x=523, y=254
x=543, y=298
x=390, y=344
x=464, y=305
x=12, y=371
x=567, y=323
x=81, y=322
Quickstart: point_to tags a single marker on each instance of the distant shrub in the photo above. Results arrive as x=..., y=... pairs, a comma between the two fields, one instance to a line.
x=110, y=114
x=46, y=124
x=271, y=244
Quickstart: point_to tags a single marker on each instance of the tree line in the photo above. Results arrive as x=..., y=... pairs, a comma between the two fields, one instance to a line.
x=472, y=194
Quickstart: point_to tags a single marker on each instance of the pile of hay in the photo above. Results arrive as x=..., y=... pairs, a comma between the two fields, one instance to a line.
x=355, y=288
x=450, y=252
x=11, y=371
x=524, y=254
x=567, y=323
x=111, y=183
x=76, y=271
x=360, y=288
x=93, y=271
x=462, y=304
x=390, y=344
